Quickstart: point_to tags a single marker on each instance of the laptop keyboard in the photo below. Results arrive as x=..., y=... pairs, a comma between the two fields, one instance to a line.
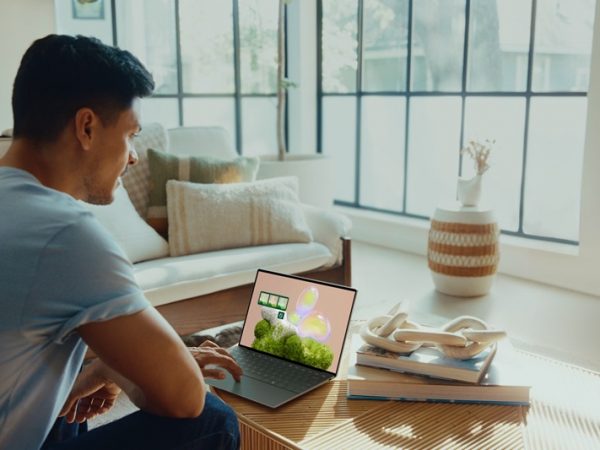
x=280, y=373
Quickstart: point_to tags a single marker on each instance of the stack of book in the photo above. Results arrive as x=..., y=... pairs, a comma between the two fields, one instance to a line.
x=495, y=376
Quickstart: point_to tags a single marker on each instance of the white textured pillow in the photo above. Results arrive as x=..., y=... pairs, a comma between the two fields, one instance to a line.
x=204, y=217
x=138, y=240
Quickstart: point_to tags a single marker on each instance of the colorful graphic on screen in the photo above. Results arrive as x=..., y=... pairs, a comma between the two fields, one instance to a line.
x=273, y=300
x=298, y=320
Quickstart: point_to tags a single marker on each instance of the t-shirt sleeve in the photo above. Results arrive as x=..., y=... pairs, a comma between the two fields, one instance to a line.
x=82, y=276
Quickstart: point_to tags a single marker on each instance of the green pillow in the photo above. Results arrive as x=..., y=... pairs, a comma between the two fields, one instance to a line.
x=195, y=169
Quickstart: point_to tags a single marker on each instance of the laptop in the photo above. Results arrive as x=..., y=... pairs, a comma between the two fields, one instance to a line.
x=292, y=340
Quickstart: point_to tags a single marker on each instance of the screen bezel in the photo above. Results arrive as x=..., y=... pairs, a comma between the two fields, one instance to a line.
x=311, y=280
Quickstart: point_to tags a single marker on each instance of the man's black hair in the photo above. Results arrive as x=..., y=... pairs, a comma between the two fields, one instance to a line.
x=59, y=75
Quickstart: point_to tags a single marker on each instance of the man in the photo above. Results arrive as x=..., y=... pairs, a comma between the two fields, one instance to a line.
x=64, y=283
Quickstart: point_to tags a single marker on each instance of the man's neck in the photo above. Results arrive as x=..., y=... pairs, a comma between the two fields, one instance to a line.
x=49, y=163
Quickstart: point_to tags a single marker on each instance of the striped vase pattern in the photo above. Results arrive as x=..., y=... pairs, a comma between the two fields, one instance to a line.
x=463, y=250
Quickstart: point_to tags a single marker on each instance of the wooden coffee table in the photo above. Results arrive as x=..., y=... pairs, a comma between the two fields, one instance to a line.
x=325, y=419
x=564, y=412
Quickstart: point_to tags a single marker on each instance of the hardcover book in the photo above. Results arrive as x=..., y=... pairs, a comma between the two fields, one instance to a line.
x=427, y=361
x=504, y=383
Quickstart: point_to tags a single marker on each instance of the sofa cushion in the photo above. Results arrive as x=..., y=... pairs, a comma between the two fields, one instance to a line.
x=172, y=279
x=204, y=217
x=137, y=239
x=198, y=169
x=137, y=178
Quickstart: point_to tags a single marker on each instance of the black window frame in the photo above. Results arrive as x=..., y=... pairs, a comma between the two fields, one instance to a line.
x=237, y=95
x=358, y=94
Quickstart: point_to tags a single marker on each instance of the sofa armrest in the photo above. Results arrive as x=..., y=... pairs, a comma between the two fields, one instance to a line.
x=328, y=227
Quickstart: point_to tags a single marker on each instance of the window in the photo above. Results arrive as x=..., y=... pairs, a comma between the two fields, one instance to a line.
x=214, y=61
x=404, y=84
x=371, y=95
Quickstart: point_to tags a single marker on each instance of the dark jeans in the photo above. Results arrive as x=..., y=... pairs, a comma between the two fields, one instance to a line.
x=216, y=428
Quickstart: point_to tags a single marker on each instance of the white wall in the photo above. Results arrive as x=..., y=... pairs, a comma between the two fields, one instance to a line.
x=21, y=22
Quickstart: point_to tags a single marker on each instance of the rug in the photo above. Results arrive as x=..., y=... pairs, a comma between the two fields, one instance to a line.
x=225, y=336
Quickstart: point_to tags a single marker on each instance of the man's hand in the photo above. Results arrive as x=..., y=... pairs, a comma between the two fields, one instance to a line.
x=210, y=353
x=92, y=395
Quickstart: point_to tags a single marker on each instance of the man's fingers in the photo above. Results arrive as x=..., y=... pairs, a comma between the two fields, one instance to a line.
x=71, y=414
x=82, y=416
x=211, y=353
x=69, y=404
x=220, y=374
x=209, y=344
x=217, y=359
x=226, y=362
x=199, y=352
x=88, y=408
x=213, y=373
x=222, y=351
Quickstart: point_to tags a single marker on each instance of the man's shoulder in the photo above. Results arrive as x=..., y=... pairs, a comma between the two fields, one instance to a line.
x=38, y=213
x=23, y=195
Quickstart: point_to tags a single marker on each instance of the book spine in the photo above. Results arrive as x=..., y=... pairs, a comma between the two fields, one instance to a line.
x=471, y=377
x=436, y=400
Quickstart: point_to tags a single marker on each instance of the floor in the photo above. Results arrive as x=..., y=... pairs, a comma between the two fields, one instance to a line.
x=554, y=322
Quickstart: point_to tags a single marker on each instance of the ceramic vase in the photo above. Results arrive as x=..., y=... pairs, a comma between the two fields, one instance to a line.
x=462, y=250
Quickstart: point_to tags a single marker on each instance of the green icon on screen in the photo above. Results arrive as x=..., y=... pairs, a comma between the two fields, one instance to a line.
x=282, y=303
x=263, y=299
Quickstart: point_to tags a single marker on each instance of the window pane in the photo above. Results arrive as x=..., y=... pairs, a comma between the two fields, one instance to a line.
x=339, y=60
x=554, y=164
x=437, y=41
x=67, y=23
x=501, y=119
x=210, y=112
x=563, y=42
x=499, y=33
x=162, y=110
x=434, y=141
x=206, y=46
x=339, y=141
x=147, y=29
x=382, y=152
x=259, y=126
x=385, y=34
x=258, y=45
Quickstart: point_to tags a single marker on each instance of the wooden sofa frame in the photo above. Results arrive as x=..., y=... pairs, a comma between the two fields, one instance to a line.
x=230, y=305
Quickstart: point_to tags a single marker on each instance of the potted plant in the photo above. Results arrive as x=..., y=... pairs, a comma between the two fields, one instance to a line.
x=314, y=170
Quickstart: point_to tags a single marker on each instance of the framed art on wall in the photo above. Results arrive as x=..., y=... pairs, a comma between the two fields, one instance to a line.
x=88, y=9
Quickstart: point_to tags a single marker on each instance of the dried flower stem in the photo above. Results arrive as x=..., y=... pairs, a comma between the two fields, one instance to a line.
x=479, y=153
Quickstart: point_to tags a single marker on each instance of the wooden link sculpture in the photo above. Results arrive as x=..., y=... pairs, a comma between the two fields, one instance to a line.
x=462, y=338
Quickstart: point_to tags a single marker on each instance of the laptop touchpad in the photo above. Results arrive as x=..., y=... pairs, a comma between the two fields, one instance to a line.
x=252, y=389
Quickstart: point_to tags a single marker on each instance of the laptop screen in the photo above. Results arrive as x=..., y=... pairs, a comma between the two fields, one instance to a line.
x=298, y=319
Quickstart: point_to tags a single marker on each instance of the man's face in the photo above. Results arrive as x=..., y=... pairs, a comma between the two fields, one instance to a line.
x=114, y=152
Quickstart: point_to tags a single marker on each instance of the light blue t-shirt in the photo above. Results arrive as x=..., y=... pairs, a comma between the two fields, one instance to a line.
x=59, y=269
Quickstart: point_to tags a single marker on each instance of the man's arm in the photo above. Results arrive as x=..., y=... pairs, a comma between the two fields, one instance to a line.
x=150, y=361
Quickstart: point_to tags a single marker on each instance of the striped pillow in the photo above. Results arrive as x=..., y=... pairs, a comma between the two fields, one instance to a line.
x=137, y=178
x=197, y=169
x=205, y=217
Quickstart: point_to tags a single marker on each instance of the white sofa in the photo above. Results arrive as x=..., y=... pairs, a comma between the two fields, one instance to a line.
x=207, y=289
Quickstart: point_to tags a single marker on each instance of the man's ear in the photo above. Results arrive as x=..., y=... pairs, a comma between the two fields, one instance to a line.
x=86, y=124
